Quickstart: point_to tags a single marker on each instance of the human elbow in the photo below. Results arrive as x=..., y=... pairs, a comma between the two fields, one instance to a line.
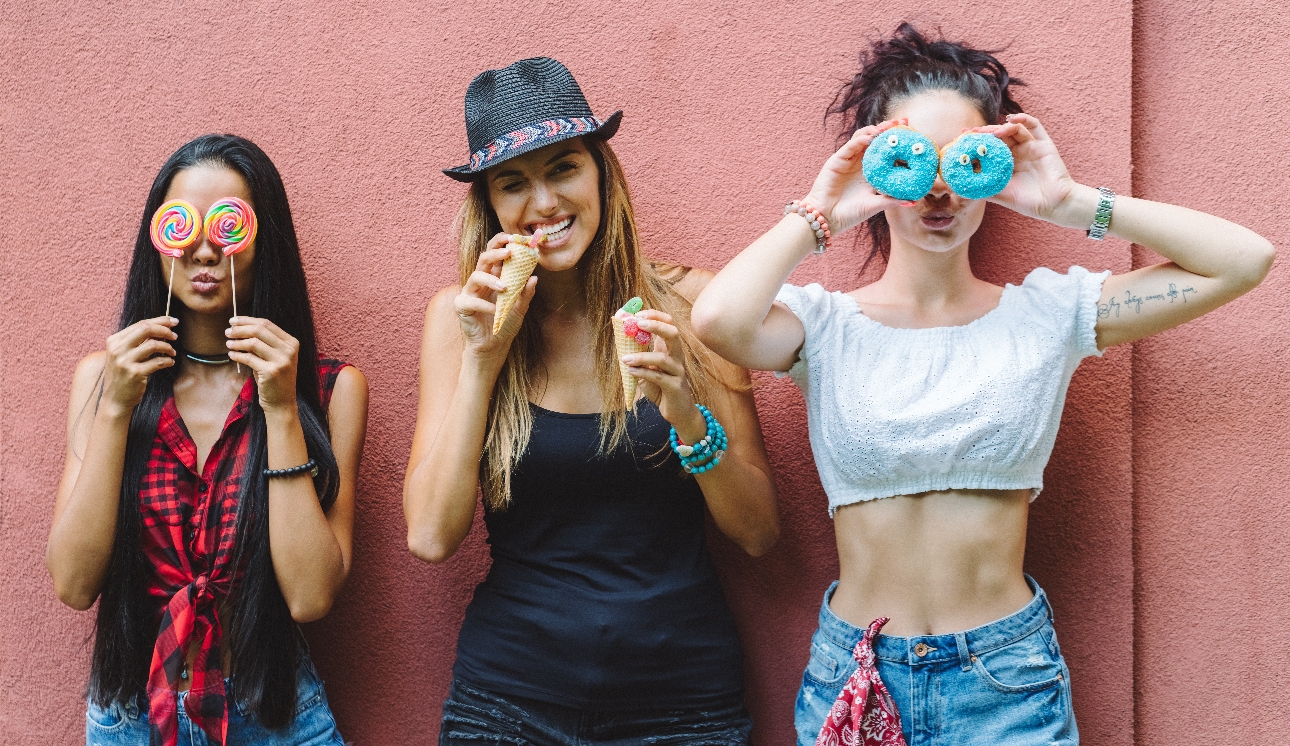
x=310, y=609
x=1261, y=261
x=75, y=598
x=429, y=548
x=759, y=542
x=714, y=329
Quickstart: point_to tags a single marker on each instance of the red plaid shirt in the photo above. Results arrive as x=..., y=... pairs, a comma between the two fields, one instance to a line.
x=189, y=532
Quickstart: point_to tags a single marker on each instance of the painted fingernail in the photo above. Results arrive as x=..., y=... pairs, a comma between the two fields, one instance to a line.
x=628, y=359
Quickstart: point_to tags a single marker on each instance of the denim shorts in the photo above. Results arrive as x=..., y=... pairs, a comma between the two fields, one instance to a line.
x=474, y=717
x=1002, y=684
x=313, y=724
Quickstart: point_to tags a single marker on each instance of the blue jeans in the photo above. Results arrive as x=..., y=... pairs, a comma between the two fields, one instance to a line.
x=313, y=725
x=1002, y=684
x=473, y=716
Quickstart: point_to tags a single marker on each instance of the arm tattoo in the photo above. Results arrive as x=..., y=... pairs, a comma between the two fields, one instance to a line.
x=1135, y=302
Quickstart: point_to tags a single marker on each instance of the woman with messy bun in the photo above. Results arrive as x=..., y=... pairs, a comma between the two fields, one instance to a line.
x=933, y=397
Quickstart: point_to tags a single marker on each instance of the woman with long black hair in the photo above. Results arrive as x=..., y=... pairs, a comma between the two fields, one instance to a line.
x=207, y=500
x=933, y=397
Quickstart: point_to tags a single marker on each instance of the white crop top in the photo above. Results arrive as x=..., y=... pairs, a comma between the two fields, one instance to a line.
x=902, y=411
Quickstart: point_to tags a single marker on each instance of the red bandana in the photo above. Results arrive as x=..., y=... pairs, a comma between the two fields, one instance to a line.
x=864, y=714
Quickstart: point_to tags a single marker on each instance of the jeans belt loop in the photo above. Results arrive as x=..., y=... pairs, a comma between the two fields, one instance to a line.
x=965, y=657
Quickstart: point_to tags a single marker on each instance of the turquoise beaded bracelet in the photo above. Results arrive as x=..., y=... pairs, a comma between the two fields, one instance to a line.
x=705, y=454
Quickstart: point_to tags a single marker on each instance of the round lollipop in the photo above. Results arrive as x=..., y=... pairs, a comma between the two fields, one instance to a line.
x=175, y=226
x=230, y=225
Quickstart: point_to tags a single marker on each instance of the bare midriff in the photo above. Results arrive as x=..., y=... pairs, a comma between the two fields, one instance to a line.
x=935, y=563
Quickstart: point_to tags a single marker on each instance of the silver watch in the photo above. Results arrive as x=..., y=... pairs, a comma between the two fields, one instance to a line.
x=1102, y=218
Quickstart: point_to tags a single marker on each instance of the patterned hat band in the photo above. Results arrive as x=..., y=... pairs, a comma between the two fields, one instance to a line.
x=527, y=137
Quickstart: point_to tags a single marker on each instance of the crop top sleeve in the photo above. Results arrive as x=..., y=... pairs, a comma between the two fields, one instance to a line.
x=901, y=411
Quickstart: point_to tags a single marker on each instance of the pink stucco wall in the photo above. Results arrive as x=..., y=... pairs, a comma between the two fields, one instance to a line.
x=1161, y=534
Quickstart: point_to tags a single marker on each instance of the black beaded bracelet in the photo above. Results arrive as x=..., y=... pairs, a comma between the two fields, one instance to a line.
x=310, y=466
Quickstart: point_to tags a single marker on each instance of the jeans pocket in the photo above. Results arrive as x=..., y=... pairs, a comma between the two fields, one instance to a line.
x=470, y=714
x=830, y=665
x=108, y=718
x=1027, y=665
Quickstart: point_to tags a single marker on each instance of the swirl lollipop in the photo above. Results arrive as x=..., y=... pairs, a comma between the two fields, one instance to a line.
x=175, y=226
x=231, y=225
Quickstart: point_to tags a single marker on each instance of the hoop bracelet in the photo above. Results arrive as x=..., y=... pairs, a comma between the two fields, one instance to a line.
x=823, y=236
x=310, y=466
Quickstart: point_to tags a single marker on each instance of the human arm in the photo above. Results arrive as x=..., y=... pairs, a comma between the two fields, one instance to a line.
x=740, y=492
x=106, y=388
x=460, y=361
x=310, y=549
x=736, y=315
x=1211, y=261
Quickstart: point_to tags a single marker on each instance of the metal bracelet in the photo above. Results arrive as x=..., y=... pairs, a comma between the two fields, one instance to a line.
x=1102, y=218
x=310, y=466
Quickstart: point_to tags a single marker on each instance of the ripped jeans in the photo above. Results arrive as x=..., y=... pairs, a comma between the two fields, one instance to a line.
x=1002, y=684
x=473, y=716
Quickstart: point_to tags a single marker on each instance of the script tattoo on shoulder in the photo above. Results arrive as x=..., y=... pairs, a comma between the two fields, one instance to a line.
x=1130, y=300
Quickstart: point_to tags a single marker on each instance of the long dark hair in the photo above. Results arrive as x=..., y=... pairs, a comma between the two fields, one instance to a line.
x=907, y=63
x=265, y=643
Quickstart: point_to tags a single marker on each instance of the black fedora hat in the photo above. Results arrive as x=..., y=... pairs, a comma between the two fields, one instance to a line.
x=521, y=107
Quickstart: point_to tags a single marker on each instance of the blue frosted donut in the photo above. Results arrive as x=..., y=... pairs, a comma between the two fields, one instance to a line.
x=901, y=163
x=976, y=165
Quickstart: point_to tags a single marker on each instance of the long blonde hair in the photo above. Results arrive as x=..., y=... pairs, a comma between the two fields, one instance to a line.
x=613, y=272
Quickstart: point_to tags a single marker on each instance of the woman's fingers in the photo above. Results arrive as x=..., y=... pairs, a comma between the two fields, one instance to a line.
x=660, y=361
x=482, y=283
x=254, y=362
x=511, y=325
x=257, y=347
x=142, y=352
x=469, y=305
x=247, y=327
x=136, y=333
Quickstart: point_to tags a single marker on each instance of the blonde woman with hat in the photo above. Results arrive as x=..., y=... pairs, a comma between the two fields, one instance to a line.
x=601, y=619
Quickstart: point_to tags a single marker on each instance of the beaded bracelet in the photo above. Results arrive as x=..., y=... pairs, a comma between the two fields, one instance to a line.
x=823, y=236
x=310, y=466
x=706, y=454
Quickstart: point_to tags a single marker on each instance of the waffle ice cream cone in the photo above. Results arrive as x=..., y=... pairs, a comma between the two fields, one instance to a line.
x=625, y=345
x=516, y=270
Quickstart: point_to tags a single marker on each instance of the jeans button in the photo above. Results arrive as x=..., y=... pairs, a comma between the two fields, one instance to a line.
x=921, y=649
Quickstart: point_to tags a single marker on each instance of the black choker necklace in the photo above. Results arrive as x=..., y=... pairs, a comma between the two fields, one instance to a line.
x=208, y=359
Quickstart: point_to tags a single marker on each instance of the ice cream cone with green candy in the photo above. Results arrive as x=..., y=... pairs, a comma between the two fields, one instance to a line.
x=517, y=267
x=629, y=338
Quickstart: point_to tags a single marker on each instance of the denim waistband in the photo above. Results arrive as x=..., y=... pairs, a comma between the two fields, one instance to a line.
x=958, y=646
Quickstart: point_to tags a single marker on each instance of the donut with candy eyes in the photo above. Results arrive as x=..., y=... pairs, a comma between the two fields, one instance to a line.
x=901, y=162
x=976, y=165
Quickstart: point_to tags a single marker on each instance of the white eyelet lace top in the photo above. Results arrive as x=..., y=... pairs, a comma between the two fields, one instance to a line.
x=902, y=411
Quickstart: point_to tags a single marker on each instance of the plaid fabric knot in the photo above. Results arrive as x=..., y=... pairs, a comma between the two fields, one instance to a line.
x=864, y=713
x=190, y=518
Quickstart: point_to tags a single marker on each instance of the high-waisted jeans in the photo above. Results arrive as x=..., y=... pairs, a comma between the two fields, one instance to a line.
x=313, y=725
x=1002, y=684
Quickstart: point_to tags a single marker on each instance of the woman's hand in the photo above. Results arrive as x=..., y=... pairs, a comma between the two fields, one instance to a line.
x=662, y=376
x=477, y=302
x=272, y=356
x=133, y=354
x=841, y=192
x=1041, y=187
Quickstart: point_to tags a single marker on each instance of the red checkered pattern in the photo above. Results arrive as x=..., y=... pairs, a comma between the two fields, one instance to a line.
x=189, y=532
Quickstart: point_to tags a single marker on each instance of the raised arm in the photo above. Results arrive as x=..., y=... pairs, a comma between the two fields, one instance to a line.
x=460, y=362
x=1211, y=260
x=106, y=388
x=736, y=314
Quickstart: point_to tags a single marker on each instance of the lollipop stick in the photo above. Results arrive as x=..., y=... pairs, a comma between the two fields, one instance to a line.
x=170, y=286
x=233, y=274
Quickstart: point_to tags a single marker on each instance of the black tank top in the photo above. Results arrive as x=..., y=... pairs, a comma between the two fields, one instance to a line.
x=601, y=595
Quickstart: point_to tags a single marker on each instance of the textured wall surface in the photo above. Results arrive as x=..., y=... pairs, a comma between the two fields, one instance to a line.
x=1211, y=456
x=360, y=106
